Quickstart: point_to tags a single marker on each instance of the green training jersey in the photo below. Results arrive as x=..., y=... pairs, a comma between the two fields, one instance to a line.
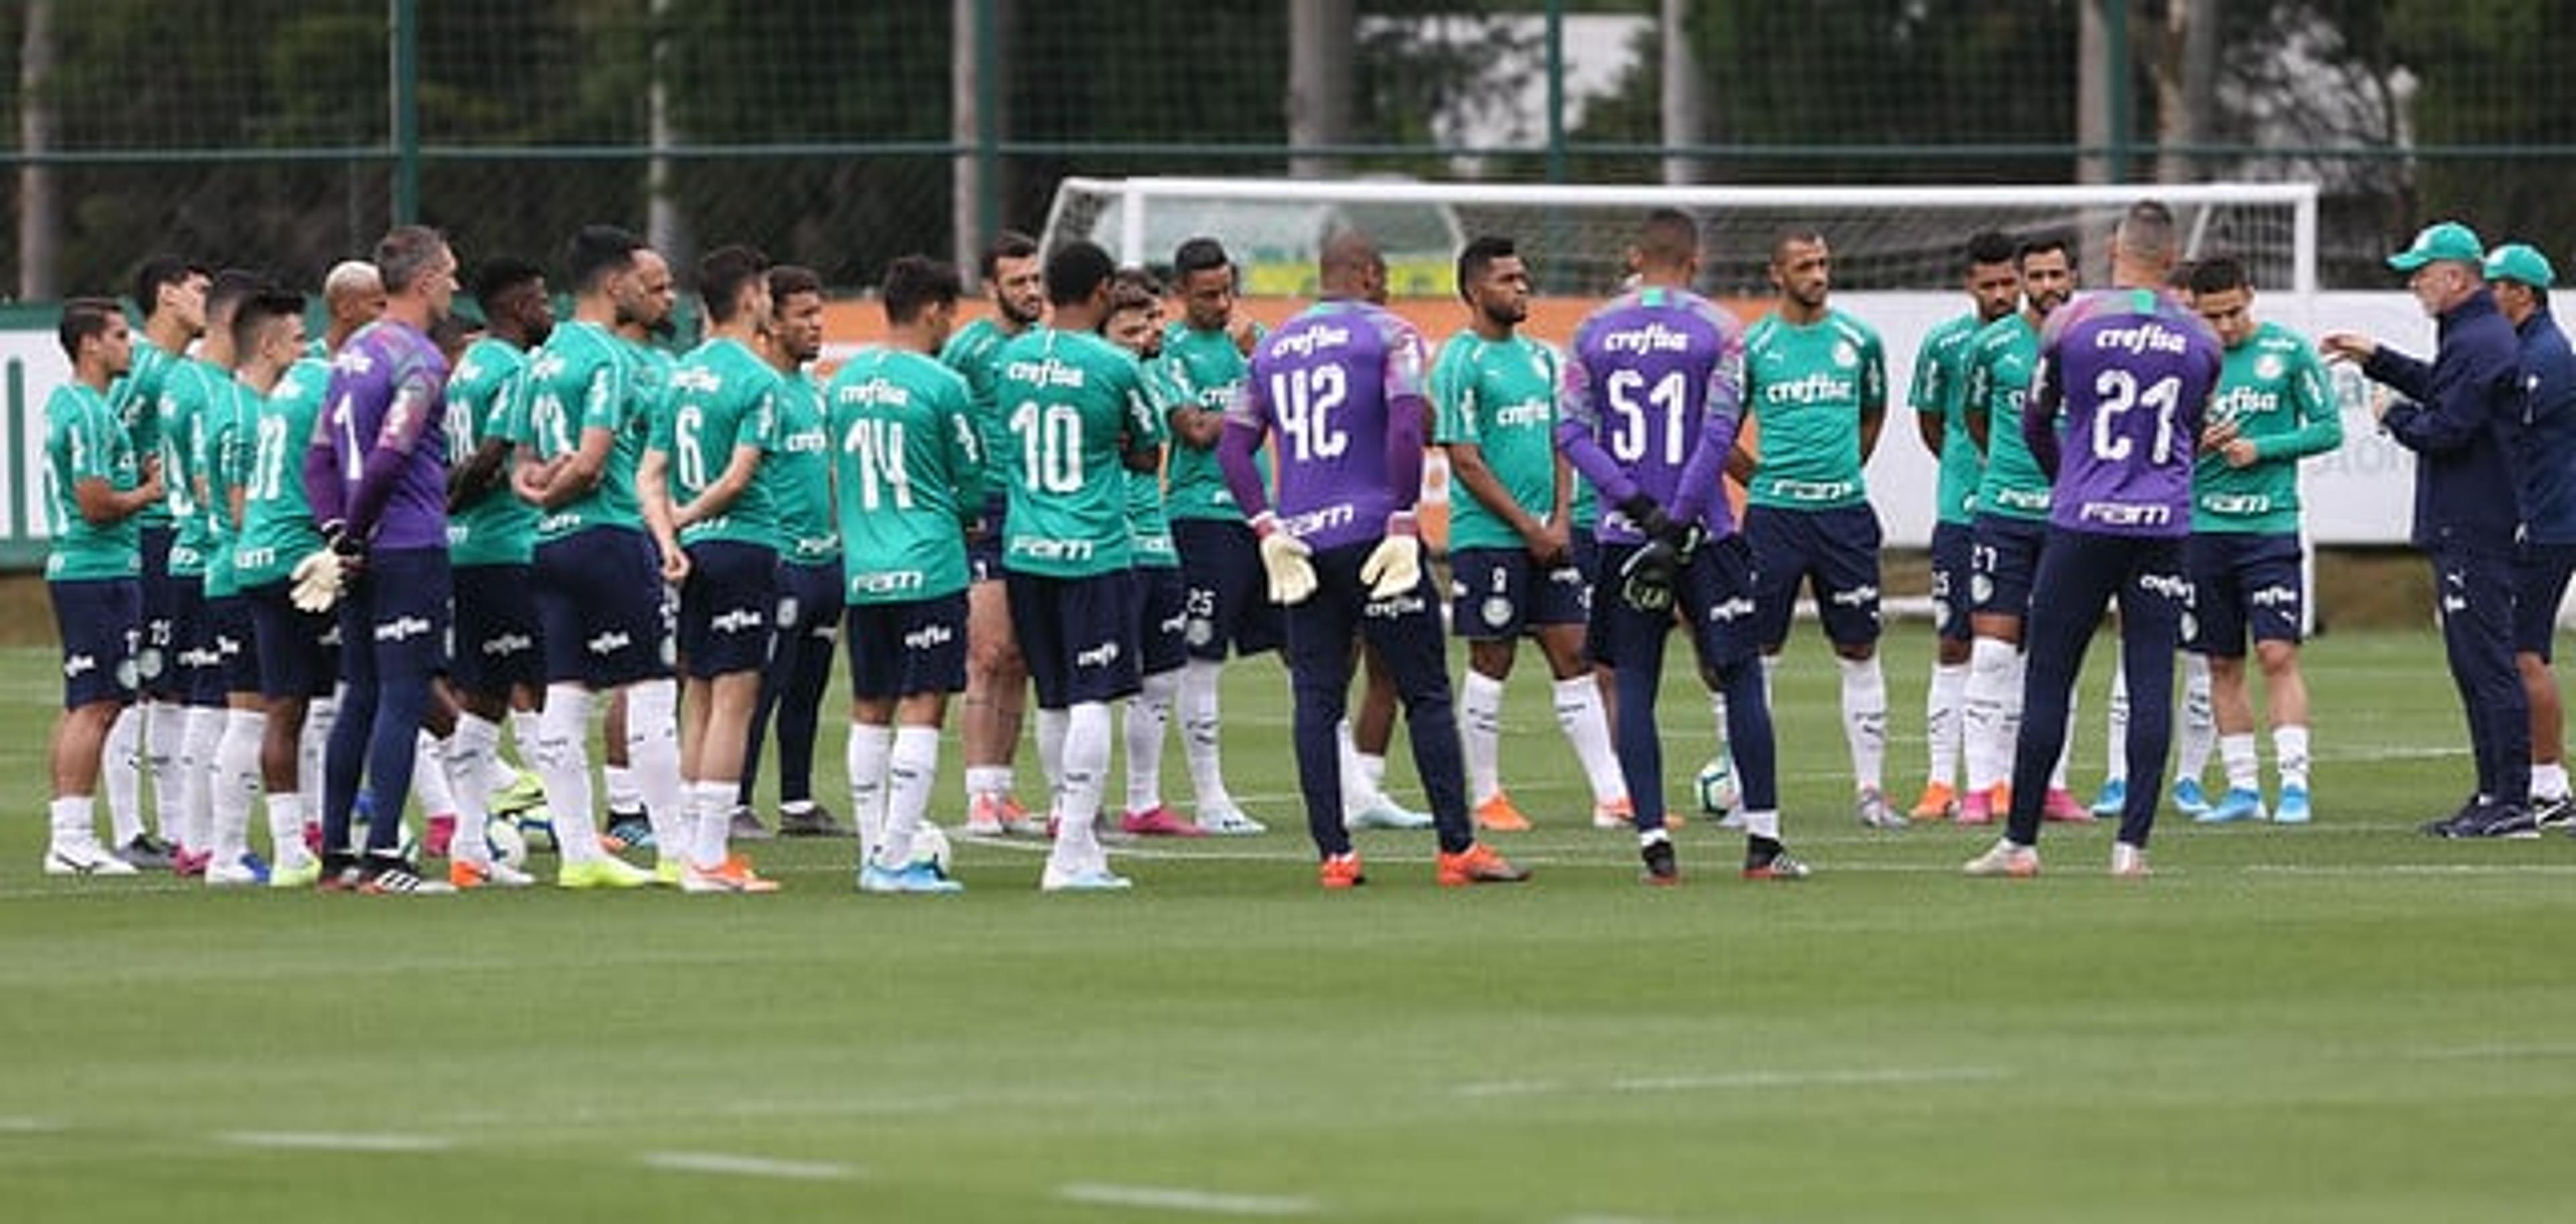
x=907, y=472
x=1499, y=395
x=84, y=440
x=2275, y=391
x=2000, y=364
x=1076, y=406
x=583, y=378
x=1148, y=522
x=1810, y=386
x=975, y=352
x=1941, y=390
x=277, y=522
x=1205, y=370
x=223, y=455
x=723, y=398
x=189, y=395
x=798, y=474
x=136, y=401
x=485, y=403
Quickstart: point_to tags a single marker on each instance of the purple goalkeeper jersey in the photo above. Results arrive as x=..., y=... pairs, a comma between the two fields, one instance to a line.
x=2133, y=369
x=1341, y=384
x=377, y=460
x=1653, y=395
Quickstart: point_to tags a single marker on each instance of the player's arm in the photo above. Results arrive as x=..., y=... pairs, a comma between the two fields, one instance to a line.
x=488, y=467
x=2039, y=412
x=1721, y=419
x=756, y=431
x=1578, y=432
x=575, y=475
x=2320, y=427
x=2452, y=413
x=965, y=459
x=1931, y=397
x=1976, y=406
x=1873, y=398
x=94, y=492
x=1190, y=424
x=1468, y=468
x=653, y=498
x=1247, y=423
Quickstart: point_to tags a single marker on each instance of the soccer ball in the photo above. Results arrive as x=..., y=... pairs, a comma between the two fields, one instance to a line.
x=1716, y=786
x=535, y=827
x=501, y=835
x=930, y=845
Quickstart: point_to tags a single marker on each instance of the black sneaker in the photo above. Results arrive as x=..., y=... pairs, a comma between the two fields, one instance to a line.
x=2499, y=821
x=2556, y=812
x=815, y=821
x=746, y=827
x=2451, y=825
x=341, y=872
x=1662, y=868
x=145, y=852
x=393, y=875
x=1766, y=859
x=633, y=829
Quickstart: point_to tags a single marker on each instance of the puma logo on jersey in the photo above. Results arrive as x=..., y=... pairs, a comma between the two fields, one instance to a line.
x=402, y=629
x=1310, y=341
x=508, y=644
x=1652, y=338
x=929, y=636
x=609, y=643
x=736, y=620
x=1101, y=655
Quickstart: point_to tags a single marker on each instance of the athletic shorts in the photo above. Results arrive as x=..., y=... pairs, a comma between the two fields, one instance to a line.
x=1953, y=550
x=298, y=652
x=809, y=601
x=1229, y=595
x=2242, y=580
x=194, y=676
x=603, y=615
x=156, y=656
x=394, y=620
x=1164, y=627
x=1834, y=553
x=1713, y=596
x=728, y=608
x=2003, y=563
x=908, y=648
x=101, y=620
x=984, y=548
x=2540, y=583
x=1587, y=556
x=235, y=643
x=1079, y=636
x=1500, y=594
x=1404, y=630
x=496, y=630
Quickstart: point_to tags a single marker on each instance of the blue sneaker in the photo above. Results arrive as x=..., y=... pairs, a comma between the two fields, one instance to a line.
x=2113, y=799
x=913, y=877
x=2188, y=799
x=2293, y=808
x=2237, y=804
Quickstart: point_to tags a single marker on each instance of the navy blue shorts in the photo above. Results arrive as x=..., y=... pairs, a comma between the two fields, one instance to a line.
x=603, y=616
x=1404, y=631
x=156, y=654
x=809, y=601
x=2540, y=583
x=101, y=620
x=394, y=619
x=984, y=545
x=496, y=630
x=1587, y=556
x=1229, y=595
x=198, y=677
x=1079, y=635
x=298, y=652
x=1499, y=594
x=2242, y=580
x=728, y=608
x=1164, y=629
x=1834, y=553
x=235, y=643
x=1953, y=549
x=1713, y=596
x=2003, y=563
x=908, y=648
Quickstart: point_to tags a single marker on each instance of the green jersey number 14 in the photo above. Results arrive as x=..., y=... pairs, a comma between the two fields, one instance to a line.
x=878, y=447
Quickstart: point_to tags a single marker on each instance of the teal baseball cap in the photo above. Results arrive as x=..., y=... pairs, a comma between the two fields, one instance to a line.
x=2439, y=241
x=2522, y=262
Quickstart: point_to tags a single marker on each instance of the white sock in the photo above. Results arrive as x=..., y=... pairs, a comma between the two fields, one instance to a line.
x=2115, y=750
x=165, y=736
x=1149, y=715
x=1085, y=768
x=523, y=736
x=563, y=765
x=619, y=783
x=197, y=775
x=711, y=799
x=2199, y=732
x=2236, y=751
x=867, y=757
x=1865, y=719
x=910, y=771
x=236, y=782
x=1717, y=710
x=70, y=820
x=1770, y=670
x=653, y=754
x=1480, y=731
x=1983, y=707
x=429, y=777
x=1199, y=740
x=320, y=716
x=1373, y=768
x=982, y=780
x=2065, y=747
x=121, y=770
x=286, y=829
x=1051, y=733
x=2547, y=781
x=1579, y=716
x=1357, y=794
x=474, y=762
x=1764, y=823
x=1942, y=721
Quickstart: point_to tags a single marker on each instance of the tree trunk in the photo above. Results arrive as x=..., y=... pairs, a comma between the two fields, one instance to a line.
x=39, y=210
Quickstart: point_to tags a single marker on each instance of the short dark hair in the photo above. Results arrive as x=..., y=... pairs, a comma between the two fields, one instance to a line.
x=2040, y=243
x=2146, y=231
x=1668, y=236
x=158, y=271
x=406, y=253
x=84, y=317
x=497, y=276
x=1479, y=254
x=1076, y=271
x=264, y=306
x=724, y=274
x=595, y=251
x=916, y=283
x=1990, y=247
x=1199, y=255
x=2218, y=274
x=228, y=290
x=1787, y=234
x=787, y=280
x=1009, y=244
x=1133, y=288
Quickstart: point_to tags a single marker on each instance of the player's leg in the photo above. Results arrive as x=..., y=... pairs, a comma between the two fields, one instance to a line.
x=98, y=623
x=294, y=668
x=1363, y=741
x=406, y=596
x=201, y=688
x=812, y=594
x=2541, y=577
x=236, y=766
x=2477, y=630
x=997, y=677
x=1845, y=544
x=2079, y=573
x=568, y=576
x=1406, y=635
x=1633, y=642
x=2152, y=599
x=164, y=728
x=924, y=679
x=2002, y=561
x=726, y=630
x=1220, y=574
x=2221, y=607
x=1318, y=635
x=1163, y=631
x=1720, y=606
x=1086, y=631
x=1562, y=608
x=1490, y=608
x=1948, y=690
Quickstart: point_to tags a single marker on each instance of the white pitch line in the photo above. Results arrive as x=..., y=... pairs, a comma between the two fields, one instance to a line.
x=1169, y=1198
x=335, y=1141
x=2497, y=1052
x=1734, y=1081
x=747, y=1166
x=2409, y=869
x=29, y=1126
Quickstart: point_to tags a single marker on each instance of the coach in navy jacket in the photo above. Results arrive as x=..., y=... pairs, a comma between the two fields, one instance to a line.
x=2462, y=416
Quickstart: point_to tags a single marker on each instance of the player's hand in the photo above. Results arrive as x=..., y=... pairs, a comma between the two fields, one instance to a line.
x=1284, y=561
x=1646, y=578
x=316, y=581
x=2239, y=452
x=1553, y=546
x=2216, y=437
x=2347, y=346
x=675, y=565
x=1245, y=334
x=1395, y=565
x=150, y=467
x=1647, y=516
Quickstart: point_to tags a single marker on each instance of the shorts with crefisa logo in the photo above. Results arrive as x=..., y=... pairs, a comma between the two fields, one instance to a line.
x=1712, y=600
x=101, y=621
x=235, y=642
x=906, y=648
x=728, y=608
x=1954, y=548
x=1079, y=635
x=1163, y=633
x=298, y=653
x=1501, y=593
x=603, y=619
x=188, y=667
x=2241, y=580
x=496, y=629
x=1228, y=594
x=1832, y=552
x=2004, y=563
x=394, y=618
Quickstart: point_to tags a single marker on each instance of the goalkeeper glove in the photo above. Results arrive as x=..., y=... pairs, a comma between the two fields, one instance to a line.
x=1284, y=561
x=1648, y=518
x=1395, y=565
x=316, y=581
x=1646, y=578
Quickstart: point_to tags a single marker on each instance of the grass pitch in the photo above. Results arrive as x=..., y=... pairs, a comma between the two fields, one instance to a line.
x=2340, y=1023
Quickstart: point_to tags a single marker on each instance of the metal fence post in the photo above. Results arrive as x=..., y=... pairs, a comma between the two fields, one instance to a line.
x=405, y=38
